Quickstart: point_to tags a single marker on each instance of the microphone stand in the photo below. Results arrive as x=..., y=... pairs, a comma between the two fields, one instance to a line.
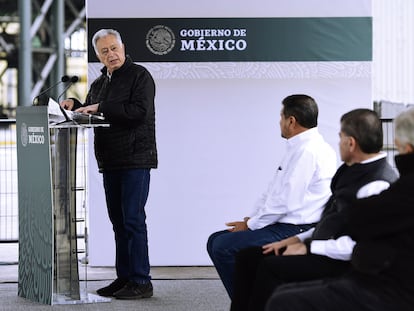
x=64, y=79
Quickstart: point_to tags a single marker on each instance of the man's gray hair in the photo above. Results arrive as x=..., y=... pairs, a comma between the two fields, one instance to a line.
x=404, y=127
x=103, y=33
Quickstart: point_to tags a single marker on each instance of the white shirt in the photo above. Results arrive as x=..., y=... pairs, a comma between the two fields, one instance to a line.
x=341, y=248
x=301, y=184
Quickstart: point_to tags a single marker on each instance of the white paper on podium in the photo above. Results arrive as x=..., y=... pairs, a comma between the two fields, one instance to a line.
x=55, y=112
x=58, y=115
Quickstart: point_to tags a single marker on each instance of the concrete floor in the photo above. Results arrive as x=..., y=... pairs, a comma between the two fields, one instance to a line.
x=175, y=288
x=9, y=269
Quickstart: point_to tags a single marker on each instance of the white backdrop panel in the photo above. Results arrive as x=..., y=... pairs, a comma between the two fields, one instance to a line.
x=228, y=8
x=218, y=142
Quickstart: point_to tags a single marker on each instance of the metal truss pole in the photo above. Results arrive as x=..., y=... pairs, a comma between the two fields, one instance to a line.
x=42, y=59
x=59, y=39
x=25, y=54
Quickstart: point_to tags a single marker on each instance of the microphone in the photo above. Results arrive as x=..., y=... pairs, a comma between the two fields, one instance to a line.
x=64, y=79
x=72, y=80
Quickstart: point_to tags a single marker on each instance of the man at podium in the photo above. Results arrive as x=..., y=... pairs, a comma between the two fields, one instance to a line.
x=125, y=152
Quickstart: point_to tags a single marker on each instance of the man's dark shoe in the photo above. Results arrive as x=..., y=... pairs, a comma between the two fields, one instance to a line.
x=133, y=290
x=115, y=286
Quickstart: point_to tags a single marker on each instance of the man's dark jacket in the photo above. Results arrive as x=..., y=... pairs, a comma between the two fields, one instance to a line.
x=383, y=227
x=127, y=103
x=345, y=184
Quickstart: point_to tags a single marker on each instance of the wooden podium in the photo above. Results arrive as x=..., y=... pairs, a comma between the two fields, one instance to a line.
x=52, y=190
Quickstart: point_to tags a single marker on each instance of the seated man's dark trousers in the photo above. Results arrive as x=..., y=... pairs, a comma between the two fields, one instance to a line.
x=258, y=275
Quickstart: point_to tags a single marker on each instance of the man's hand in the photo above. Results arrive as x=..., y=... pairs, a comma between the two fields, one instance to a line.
x=67, y=104
x=238, y=225
x=88, y=109
x=280, y=247
x=296, y=249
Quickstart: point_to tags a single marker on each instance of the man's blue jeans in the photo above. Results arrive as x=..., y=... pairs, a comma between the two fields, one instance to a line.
x=126, y=194
x=222, y=246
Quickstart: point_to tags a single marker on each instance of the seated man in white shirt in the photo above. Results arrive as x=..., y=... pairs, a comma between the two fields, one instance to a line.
x=294, y=200
x=323, y=251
